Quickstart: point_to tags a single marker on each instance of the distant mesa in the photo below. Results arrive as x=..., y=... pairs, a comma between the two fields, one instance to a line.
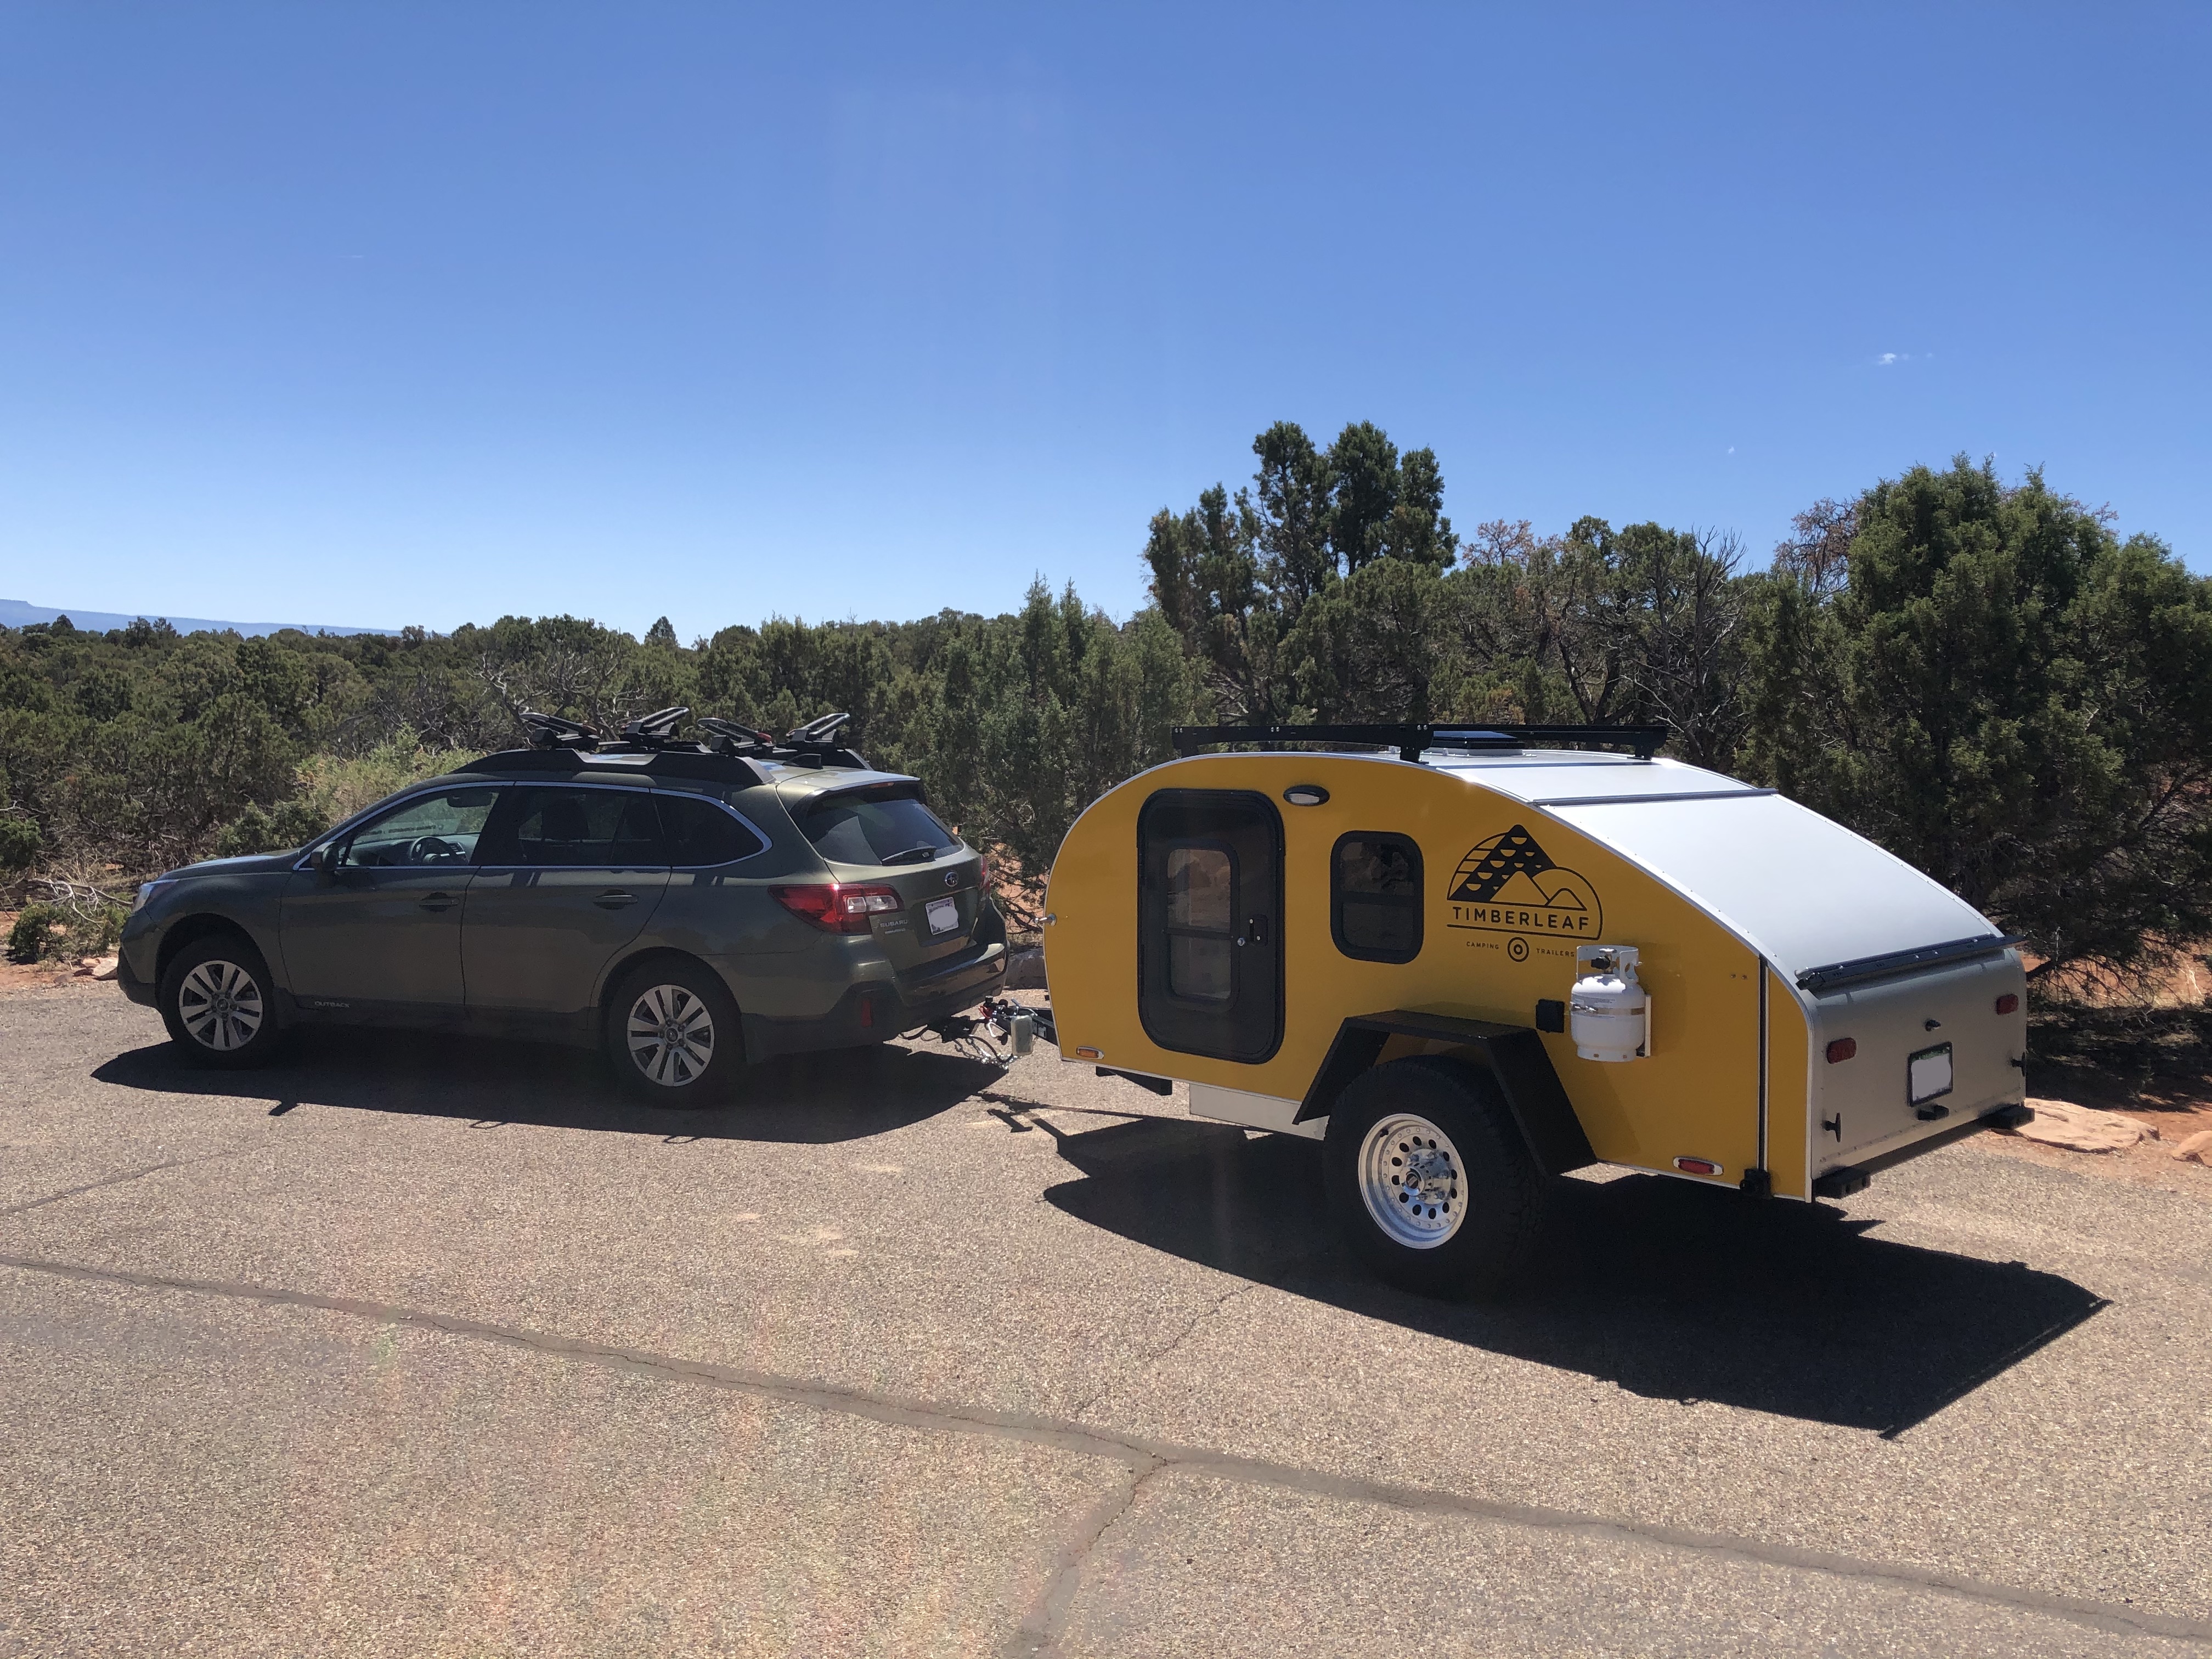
x=14, y=613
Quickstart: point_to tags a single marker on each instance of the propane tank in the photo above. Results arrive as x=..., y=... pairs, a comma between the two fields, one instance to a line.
x=1611, y=1015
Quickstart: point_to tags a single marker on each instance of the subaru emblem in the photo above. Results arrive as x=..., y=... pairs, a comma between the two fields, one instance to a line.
x=951, y=878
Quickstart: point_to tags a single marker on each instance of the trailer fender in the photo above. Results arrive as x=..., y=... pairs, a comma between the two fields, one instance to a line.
x=1514, y=1054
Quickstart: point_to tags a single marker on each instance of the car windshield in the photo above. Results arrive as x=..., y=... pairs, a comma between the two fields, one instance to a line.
x=876, y=826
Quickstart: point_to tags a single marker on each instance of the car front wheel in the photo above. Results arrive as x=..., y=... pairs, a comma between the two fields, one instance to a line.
x=216, y=1000
x=672, y=1036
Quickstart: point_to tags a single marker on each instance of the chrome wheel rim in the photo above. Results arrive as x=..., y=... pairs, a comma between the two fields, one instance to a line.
x=1411, y=1179
x=671, y=1036
x=219, y=1005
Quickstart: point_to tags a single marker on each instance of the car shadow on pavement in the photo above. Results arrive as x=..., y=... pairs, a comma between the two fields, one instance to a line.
x=811, y=1099
x=1671, y=1290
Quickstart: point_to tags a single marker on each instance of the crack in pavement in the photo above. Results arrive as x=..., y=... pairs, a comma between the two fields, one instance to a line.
x=1173, y=1342
x=1145, y=1456
x=118, y=1179
x=1040, y=1630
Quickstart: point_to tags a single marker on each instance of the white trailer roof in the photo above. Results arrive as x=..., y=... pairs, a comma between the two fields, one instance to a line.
x=1800, y=888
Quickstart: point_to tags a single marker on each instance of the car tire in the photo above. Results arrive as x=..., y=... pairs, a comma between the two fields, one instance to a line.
x=1438, y=1130
x=672, y=1035
x=219, y=1002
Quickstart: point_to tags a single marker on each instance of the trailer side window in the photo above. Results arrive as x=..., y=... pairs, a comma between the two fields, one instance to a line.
x=1375, y=897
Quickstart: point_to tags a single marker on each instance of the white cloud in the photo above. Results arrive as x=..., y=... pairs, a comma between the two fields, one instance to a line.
x=1889, y=357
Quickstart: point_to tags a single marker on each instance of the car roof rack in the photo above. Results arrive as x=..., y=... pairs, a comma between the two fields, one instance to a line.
x=648, y=743
x=810, y=745
x=557, y=732
x=1411, y=740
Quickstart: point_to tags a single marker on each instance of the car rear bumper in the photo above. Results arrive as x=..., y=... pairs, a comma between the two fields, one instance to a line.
x=879, y=1010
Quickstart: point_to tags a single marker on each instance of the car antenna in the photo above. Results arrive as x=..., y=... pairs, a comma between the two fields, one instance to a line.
x=555, y=732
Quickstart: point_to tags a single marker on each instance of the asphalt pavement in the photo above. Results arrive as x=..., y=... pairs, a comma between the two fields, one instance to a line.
x=417, y=1345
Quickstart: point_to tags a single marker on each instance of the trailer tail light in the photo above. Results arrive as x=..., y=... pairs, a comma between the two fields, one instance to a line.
x=835, y=907
x=1696, y=1166
x=2007, y=1004
x=1842, y=1049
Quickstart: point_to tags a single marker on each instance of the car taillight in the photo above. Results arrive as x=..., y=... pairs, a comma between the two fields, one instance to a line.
x=1842, y=1049
x=983, y=872
x=835, y=907
x=2007, y=1004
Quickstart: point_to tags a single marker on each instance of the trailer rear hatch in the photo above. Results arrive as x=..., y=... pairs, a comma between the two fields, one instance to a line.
x=1918, y=982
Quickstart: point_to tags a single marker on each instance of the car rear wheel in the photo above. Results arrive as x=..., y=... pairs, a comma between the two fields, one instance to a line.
x=216, y=1000
x=672, y=1035
x=1428, y=1179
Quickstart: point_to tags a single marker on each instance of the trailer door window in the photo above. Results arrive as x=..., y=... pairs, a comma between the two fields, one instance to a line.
x=1202, y=902
x=1375, y=897
x=1209, y=947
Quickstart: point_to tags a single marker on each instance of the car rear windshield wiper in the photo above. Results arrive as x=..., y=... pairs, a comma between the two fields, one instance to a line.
x=923, y=854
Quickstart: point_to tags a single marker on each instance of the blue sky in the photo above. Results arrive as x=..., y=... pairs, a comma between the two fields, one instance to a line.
x=394, y=314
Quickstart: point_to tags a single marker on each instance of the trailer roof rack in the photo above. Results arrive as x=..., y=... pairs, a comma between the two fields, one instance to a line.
x=1410, y=740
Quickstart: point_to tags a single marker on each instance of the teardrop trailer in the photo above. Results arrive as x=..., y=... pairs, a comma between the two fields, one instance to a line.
x=1466, y=961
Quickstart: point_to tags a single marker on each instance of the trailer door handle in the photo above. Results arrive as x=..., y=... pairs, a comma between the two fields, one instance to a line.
x=614, y=898
x=435, y=902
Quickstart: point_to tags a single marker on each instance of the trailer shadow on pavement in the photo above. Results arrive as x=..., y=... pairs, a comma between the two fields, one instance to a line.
x=1670, y=1290
x=810, y=1099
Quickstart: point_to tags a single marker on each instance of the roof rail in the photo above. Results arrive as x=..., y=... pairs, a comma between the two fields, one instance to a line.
x=1410, y=740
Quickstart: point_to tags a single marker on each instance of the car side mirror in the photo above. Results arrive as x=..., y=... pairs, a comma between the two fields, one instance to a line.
x=324, y=860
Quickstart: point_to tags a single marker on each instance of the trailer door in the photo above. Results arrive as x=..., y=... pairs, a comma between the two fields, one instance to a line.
x=1209, y=923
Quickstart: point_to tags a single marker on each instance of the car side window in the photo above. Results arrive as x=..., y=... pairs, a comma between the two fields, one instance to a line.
x=592, y=829
x=429, y=830
x=1375, y=897
x=701, y=833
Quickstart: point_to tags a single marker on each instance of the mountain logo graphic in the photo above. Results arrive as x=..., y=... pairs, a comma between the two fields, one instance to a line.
x=1509, y=884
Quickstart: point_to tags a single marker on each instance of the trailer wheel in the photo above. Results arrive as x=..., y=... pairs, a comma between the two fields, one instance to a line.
x=1428, y=1179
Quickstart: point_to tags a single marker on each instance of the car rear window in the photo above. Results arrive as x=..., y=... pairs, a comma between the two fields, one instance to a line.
x=869, y=826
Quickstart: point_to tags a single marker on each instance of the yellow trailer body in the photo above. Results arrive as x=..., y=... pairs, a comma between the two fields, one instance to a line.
x=1219, y=920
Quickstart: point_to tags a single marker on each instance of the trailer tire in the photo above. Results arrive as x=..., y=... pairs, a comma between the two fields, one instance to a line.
x=1438, y=1130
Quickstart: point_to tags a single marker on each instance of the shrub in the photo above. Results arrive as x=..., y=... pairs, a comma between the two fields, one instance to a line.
x=279, y=828
x=19, y=843
x=38, y=930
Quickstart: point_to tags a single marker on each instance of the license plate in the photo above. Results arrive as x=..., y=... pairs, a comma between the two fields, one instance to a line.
x=1928, y=1074
x=945, y=916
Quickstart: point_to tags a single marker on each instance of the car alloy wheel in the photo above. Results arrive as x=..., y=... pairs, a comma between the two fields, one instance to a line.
x=220, y=1005
x=670, y=1034
x=1410, y=1179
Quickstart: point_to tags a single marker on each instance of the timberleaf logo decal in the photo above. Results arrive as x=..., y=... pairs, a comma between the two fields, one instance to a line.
x=1509, y=884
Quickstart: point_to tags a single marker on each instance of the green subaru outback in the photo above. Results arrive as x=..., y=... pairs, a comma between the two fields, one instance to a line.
x=690, y=907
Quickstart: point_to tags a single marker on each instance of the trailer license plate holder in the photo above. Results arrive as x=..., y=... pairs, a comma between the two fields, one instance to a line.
x=1928, y=1075
x=943, y=915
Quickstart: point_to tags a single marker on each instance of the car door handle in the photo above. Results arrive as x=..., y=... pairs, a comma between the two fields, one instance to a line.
x=437, y=901
x=614, y=898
